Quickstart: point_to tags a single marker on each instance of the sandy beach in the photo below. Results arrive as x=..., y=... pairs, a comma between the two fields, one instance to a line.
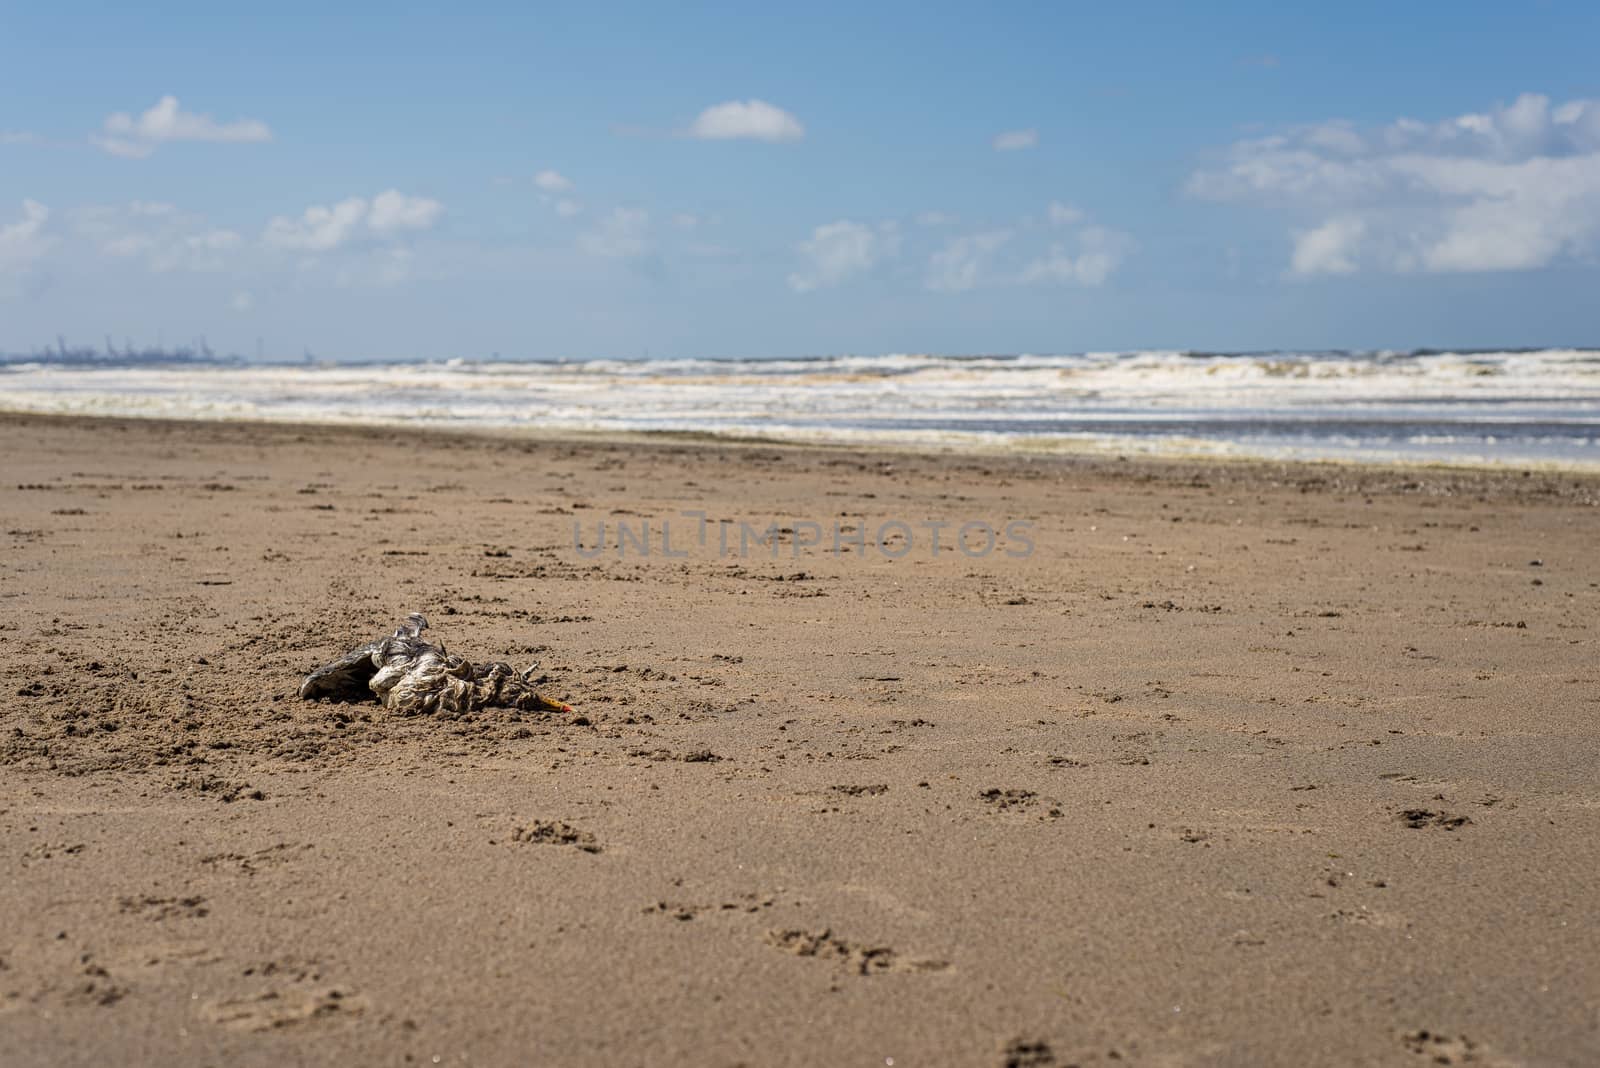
x=1194, y=763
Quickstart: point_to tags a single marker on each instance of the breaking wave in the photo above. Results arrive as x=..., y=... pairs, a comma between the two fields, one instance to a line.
x=1514, y=407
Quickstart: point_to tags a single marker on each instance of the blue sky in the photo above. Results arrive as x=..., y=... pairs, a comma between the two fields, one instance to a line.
x=727, y=181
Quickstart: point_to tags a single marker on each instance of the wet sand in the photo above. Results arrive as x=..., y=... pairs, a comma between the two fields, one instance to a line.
x=1241, y=764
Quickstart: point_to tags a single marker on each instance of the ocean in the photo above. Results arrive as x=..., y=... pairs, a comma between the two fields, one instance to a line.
x=1525, y=408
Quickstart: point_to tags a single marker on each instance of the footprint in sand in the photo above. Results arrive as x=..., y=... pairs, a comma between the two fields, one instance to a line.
x=1450, y=1049
x=254, y=862
x=553, y=832
x=166, y=908
x=856, y=959
x=182, y=953
x=858, y=790
x=1017, y=800
x=1028, y=1053
x=95, y=985
x=746, y=903
x=282, y=1007
x=1418, y=818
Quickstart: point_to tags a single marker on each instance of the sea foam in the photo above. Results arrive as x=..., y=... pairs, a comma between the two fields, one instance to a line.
x=1514, y=407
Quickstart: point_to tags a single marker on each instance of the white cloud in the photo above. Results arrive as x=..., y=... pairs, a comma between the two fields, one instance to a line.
x=323, y=228
x=1100, y=251
x=552, y=181
x=1071, y=251
x=964, y=262
x=159, y=235
x=242, y=301
x=24, y=241
x=319, y=228
x=1012, y=140
x=551, y=184
x=393, y=211
x=1077, y=254
x=1064, y=214
x=18, y=137
x=125, y=135
x=624, y=234
x=1514, y=188
x=1329, y=248
x=841, y=250
x=754, y=120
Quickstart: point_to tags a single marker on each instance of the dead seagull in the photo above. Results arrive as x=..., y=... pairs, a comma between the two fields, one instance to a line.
x=412, y=677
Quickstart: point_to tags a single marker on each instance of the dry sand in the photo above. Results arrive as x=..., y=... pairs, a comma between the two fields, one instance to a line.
x=1245, y=764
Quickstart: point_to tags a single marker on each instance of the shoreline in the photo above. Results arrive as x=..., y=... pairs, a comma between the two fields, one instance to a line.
x=1506, y=409
x=1580, y=484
